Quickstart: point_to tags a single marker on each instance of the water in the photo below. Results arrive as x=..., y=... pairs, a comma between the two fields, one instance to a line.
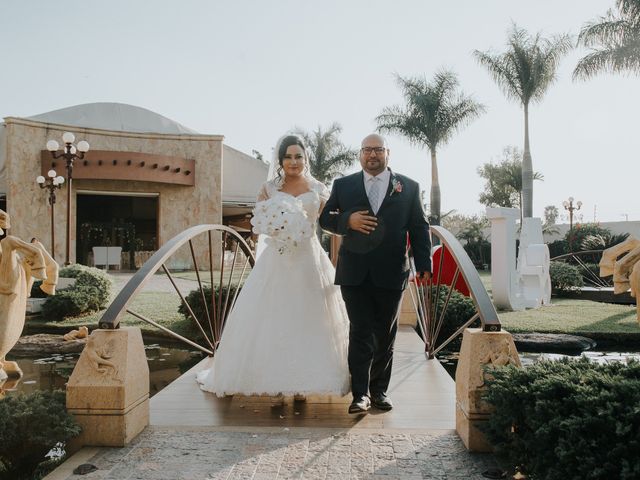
x=450, y=360
x=51, y=372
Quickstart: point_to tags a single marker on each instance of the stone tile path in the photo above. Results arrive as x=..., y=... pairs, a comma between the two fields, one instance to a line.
x=298, y=453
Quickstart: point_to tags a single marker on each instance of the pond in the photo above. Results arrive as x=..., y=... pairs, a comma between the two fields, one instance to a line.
x=51, y=372
x=450, y=360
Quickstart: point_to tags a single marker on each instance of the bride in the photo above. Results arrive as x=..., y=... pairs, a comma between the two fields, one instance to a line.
x=288, y=331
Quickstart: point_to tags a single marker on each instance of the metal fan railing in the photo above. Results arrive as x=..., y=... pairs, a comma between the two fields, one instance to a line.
x=431, y=315
x=221, y=242
x=590, y=275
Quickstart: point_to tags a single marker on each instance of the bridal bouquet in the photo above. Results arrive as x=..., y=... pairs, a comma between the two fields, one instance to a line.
x=284, y=220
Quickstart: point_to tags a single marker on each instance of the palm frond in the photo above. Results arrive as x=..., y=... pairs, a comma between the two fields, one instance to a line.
x=528, y=67
x=433, y=110
x=328, y=156
x=614, y=40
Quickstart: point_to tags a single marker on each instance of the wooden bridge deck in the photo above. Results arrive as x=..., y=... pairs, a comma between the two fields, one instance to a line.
x=422, y=391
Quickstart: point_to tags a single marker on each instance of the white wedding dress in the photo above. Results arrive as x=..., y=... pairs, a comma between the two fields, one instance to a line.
x=288, y=331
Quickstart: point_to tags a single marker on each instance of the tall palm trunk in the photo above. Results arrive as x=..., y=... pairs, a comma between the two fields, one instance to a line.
x=527, y=170
x=434, y=197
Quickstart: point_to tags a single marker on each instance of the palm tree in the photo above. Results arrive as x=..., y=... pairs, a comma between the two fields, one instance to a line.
x=504, y=180
x=524, y=72
x=433, y=112
x=328, y=157
x=618, y=37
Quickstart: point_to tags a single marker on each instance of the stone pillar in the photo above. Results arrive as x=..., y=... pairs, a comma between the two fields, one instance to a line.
x=108, y=391
x=408, y=314
x=479, y=349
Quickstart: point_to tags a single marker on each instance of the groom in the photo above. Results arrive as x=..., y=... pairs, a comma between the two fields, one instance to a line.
x=374, y=210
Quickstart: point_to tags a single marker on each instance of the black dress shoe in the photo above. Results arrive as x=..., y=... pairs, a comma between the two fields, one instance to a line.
x=360, y=404
x=381, y=401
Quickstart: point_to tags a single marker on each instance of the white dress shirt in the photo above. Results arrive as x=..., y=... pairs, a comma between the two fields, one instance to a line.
x=383, y=178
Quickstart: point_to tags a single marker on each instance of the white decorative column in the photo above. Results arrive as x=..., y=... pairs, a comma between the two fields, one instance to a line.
x=504, y=279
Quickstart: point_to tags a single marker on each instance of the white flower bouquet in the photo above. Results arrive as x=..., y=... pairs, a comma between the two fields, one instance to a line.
x=284, y=220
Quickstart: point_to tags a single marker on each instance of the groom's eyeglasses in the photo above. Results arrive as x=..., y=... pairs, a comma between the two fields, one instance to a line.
x=368, y=150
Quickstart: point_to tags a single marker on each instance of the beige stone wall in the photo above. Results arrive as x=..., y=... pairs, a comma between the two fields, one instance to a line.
x=180, y=207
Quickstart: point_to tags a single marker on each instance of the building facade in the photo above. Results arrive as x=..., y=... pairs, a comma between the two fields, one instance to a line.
x=144, y=180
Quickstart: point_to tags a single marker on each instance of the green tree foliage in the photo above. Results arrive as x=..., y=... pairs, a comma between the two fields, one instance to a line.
x=472, y=232
x=328, y=156
x=432, y=113
x=560, y=420
x=614, y=42
x=30, y=426
x=503, y=181
x=551, y=214
x=524, y=72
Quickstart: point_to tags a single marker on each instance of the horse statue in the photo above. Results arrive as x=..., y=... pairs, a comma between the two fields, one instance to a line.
x=625, y=269
x=20, y=264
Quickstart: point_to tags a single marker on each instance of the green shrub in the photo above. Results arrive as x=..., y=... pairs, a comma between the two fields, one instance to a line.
x=30, y=426
x=568, y=419
x=459, y=310
x=557, y=248
x=93, y=277
x=581, y=231
x=36, y=291
x=194, y=299
x=564, y=277
x=91, y=292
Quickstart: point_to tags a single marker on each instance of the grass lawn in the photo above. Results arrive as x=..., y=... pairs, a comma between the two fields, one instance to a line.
x=158, y=306
x=593, y=319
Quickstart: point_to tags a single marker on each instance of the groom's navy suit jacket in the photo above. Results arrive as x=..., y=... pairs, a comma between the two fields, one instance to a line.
x=382, y=254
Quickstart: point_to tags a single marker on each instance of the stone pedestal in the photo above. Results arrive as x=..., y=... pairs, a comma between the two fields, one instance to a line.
x=408, y=314
x=479, y=349
x=108, y=391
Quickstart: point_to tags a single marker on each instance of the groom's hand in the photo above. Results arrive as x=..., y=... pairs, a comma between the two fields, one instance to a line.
x=361, y=222
x=423, y=278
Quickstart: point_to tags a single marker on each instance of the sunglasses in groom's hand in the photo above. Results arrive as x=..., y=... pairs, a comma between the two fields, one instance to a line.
x=423, y=279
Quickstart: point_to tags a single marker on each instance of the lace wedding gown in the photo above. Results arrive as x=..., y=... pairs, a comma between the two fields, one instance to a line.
x=288, y=331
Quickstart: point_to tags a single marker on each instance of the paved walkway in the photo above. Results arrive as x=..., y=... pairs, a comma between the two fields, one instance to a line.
x=274, y=454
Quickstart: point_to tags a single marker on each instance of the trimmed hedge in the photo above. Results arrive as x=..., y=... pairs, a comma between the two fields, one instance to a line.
x=91, y=292
x=566, y=419
x=30, y=426
x=194, y=299
x=564, y=277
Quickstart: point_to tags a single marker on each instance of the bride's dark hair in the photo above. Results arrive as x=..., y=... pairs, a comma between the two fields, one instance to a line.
x=285, y=143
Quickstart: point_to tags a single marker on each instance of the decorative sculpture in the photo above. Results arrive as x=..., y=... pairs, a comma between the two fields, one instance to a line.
x=527, y=285
x=626, y=270
x=82, y=332
x=98, y=356
x=20, y=263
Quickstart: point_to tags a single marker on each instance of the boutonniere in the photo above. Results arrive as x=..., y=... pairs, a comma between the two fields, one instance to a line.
x=396, y=186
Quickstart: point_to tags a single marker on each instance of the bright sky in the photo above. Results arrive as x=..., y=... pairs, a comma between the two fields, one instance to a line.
x=253, y=69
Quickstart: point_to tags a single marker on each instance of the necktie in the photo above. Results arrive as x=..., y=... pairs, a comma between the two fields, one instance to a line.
x=374, y=193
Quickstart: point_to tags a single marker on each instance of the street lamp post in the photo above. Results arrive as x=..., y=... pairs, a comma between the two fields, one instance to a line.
x=69, y=153
x=570, y=207
x=51, y=183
